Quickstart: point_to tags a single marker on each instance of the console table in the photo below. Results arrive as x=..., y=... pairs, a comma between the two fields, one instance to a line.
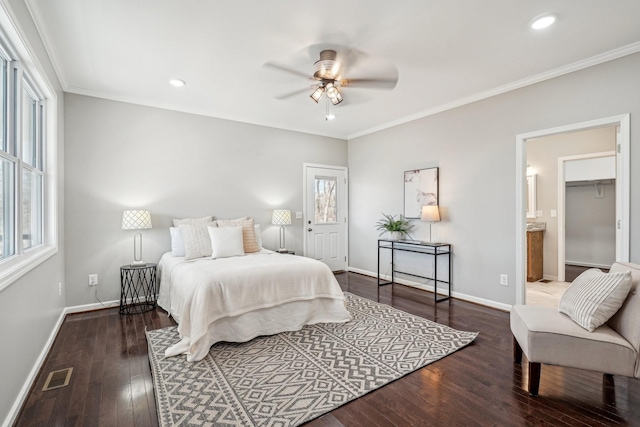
x=434, y=250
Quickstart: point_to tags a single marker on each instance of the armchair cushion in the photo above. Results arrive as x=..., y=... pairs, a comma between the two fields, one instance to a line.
x=548, y=337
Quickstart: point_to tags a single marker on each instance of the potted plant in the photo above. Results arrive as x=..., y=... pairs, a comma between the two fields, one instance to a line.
x=397, y=228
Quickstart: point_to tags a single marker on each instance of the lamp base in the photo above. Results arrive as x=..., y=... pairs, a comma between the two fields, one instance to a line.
x=138, y=263
x=283, y=250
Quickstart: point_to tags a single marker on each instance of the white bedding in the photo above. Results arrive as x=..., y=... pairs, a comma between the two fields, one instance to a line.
x=238, y=298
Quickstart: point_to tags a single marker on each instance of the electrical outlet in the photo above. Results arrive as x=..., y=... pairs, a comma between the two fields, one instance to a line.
x=93, y=280
x=504, y=280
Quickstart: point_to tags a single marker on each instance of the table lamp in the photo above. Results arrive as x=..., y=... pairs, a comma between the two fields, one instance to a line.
x=281, y=217
x=136, y=220
x=430, y=214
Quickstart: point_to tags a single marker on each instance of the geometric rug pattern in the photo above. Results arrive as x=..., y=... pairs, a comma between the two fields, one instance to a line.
x=290, y=378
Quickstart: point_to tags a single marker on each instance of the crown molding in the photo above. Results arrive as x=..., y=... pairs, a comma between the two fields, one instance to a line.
x=567, y=69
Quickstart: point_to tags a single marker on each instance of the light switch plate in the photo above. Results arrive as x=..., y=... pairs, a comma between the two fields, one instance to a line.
x=298, y=215
x=539, y=214
x=554, y=213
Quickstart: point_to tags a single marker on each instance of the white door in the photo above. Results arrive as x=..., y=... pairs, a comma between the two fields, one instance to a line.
x=325, y=218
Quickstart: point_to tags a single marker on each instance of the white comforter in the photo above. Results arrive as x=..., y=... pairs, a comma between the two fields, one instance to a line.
x=206, y=294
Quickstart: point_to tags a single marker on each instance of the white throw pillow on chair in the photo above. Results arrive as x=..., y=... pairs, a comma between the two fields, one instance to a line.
x=594, y=297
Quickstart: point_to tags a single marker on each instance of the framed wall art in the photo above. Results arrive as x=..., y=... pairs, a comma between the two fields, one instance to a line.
x=420, y=189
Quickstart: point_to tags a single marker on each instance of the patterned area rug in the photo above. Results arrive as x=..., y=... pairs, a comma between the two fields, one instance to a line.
x=290, y=378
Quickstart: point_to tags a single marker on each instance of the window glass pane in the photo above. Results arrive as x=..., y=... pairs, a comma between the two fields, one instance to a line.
x=3, y=104
x=31, y=209
x=28, y=128
x=325, y=199
x=7, y=197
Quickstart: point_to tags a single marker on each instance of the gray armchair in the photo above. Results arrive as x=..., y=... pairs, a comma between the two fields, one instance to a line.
x=546, y=336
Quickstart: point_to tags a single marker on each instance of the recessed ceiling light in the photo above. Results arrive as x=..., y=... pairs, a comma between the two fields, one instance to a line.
x=543, y=22
x=177, y=82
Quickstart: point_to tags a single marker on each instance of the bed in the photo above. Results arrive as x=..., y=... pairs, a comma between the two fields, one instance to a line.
x=238, y=298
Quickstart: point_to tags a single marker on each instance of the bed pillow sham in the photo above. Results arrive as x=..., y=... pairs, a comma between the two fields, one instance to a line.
x=250, y=243
x=197, y=243
x=258, y=235
x=177, y=244
x=226, y=241
x=191, y=221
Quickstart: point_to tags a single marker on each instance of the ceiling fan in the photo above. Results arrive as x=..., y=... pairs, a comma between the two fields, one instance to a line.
x=330, y=69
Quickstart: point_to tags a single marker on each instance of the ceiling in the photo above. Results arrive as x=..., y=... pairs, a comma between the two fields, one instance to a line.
x=445, y=53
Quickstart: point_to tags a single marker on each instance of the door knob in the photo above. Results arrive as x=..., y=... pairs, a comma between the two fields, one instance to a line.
x=309, y=229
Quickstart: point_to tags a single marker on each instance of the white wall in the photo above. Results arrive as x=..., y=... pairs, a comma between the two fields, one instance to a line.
x=31, y=306
x=542, y=156
x=474, y=146
x=120, y=156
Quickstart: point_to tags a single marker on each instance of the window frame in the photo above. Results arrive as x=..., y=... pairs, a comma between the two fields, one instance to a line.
x=24, y=73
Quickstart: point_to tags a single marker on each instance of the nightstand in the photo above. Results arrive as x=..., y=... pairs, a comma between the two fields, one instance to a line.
x=137, y=288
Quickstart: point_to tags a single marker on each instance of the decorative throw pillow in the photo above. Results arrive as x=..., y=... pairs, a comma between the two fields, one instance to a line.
x=191, y=221
x=197, y=243
x=594, y=297
x=248, y=232
x=177, y=244
x=226, y=241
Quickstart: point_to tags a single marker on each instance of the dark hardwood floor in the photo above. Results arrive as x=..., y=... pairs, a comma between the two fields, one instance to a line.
x=572, y=271
x=111, y=383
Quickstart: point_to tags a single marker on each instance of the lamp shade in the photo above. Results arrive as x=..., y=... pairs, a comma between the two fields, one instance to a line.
x=430, y=213
x=281, y=217
x=136, y=220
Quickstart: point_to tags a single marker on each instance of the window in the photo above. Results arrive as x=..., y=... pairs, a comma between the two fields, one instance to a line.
x=27, y=234
x=326, y=207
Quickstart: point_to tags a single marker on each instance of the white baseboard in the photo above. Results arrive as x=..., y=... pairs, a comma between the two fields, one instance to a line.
x=458, y=295
x=92, y=307
x=586, y=264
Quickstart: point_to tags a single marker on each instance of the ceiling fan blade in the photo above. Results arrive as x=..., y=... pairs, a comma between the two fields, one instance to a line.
x=295, y=93
x=287, y=70
x=383, y=84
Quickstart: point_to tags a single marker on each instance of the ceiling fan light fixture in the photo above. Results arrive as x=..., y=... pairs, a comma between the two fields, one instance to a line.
x=331, y=90
x=317, y=94
x=337, y=99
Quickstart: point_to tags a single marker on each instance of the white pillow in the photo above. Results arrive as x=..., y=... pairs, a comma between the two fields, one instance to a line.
x=248, y=232
x=191, y=221
x=258, y=235
x=197, y=243
x=177, y=244
x=594, y=297
x=226, y=241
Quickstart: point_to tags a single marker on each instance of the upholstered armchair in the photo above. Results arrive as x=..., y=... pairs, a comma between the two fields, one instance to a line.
x=547, y=336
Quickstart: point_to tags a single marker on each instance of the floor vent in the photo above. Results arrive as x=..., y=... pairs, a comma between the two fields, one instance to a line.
x=545, y=281
x=58, y=379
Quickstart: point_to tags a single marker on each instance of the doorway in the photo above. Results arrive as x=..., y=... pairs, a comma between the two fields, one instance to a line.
x=325, y=198
x=621, y=124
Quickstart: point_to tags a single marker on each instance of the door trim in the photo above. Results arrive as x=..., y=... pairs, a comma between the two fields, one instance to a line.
x=305, y=168
x=622, y=188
